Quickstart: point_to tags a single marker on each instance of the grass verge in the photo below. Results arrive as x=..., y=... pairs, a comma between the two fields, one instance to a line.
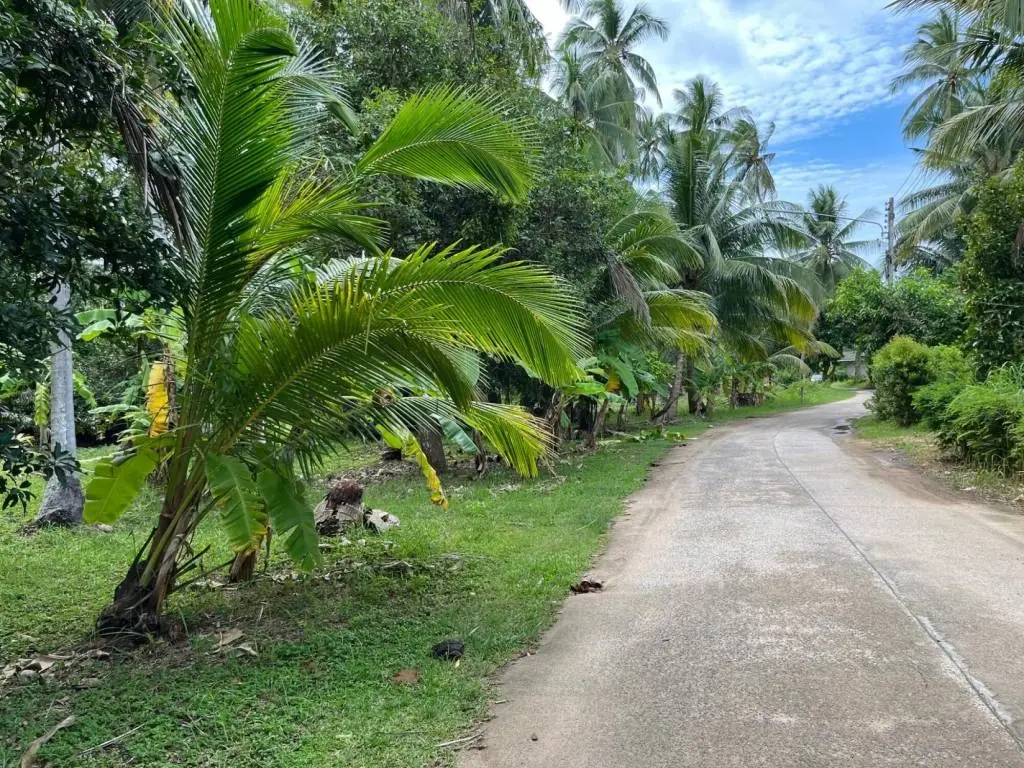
x=492, y=571
x=920, y=447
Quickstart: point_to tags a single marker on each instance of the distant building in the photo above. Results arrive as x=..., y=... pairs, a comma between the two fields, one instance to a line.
x=851, y=365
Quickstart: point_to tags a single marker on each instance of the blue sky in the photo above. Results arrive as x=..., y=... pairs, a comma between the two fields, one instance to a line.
x=820, y=69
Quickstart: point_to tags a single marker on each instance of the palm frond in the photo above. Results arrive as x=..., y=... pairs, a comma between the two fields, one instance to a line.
x=458, y=137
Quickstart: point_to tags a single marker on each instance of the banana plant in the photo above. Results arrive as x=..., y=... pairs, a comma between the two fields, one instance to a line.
x=284, y=357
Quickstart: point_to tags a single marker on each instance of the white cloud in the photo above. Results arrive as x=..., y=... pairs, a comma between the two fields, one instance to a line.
x=806, y=64
x=809, y=65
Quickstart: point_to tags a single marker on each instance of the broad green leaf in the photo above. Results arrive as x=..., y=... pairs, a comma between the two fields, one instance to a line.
x=291, y=517
x=115, y=484
x=236, y=496
x=456, y=434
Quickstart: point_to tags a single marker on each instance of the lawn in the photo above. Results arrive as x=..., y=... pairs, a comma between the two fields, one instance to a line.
x=315, y=685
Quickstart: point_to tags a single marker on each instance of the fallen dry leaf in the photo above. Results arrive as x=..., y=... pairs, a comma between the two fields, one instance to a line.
x=406, y=677
x=227, y=638
x=246, y=648
x=29, y=758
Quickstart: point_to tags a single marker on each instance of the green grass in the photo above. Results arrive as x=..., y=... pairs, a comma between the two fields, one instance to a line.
x=492, y=571
x=781, y=401
x=872, y=428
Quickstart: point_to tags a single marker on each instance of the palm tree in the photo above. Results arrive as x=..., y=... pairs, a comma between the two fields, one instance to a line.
x=754, y=295
x=653, y=133
x=936, y=61
x=1006, y=14
x=283, y=355
x=831, y=253
x=606, y=119
x=749, y=158
x=605, y=36
x=642, y=305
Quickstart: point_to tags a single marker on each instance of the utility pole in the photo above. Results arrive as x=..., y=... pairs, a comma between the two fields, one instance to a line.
x=890, y=251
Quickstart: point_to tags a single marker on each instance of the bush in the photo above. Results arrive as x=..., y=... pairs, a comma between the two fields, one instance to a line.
x=984, y=424
x=898, y=370
x=949, y=374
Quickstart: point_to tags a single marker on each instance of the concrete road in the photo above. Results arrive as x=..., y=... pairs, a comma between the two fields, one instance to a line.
x=775, y=597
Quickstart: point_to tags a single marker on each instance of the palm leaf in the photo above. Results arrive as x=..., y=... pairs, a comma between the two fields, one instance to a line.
x=459, y=137
x=237, y=498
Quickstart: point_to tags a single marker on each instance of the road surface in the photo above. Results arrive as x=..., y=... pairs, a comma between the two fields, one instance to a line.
x=775, y=597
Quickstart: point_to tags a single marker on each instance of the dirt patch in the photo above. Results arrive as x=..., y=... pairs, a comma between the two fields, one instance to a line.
x=917, y=464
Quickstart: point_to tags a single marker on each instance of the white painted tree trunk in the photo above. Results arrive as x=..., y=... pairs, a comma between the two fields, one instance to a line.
x=62, y=502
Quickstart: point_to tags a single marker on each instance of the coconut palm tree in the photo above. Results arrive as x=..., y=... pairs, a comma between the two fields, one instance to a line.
x=607, y=119
x=831, y=252
x=653, y=133
x=1006, y=14
x=286, y=354
x=749, y=156
x=754, y=295
x=605, y=37
x=937, y=62
x=641, y=305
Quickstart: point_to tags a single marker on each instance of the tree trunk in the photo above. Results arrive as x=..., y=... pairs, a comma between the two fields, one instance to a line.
x=598, y=427
x=62, y=502
x=553, y=418
x=692, y=395
x=430, y=440
x=669, y=412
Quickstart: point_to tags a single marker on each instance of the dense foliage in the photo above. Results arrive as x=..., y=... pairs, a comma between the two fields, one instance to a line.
x=993, y=273
x=865, y=313
x=898, y=369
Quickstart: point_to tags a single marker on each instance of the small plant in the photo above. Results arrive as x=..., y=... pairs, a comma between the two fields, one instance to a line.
x=899, y=369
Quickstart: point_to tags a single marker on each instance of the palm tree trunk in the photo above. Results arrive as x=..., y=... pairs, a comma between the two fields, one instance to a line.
x=669, y=412
x=690, y=382
x=62, y=502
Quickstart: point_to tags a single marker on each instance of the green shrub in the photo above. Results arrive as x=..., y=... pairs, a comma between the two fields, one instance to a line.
x=898, y=370
x=949, y=374
x=984, y=424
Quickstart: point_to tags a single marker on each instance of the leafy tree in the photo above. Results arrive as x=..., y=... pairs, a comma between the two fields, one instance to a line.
x=993, y=273
x=286, y=353
x=68, y=212
x=865, y=314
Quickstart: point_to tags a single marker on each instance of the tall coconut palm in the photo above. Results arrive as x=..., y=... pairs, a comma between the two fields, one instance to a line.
x=831, y=252
x=749, y=156
x=754, y=295
x=605, y=36
x=282, y=360
x=937, y=64
x=607, y=119
x=653, y=134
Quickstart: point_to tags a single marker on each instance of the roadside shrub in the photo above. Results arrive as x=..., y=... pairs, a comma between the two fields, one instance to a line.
x=984, y=424
x=949, y=374
x=898, y=370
